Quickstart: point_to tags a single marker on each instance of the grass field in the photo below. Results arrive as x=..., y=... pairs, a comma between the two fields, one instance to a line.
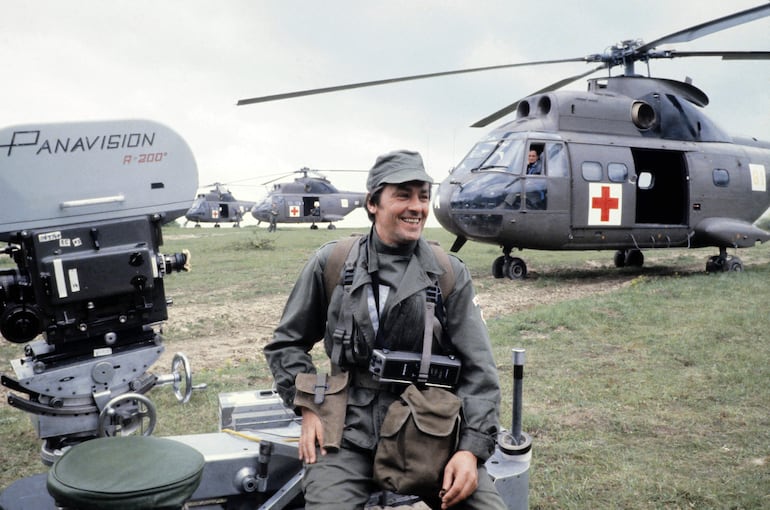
x=654, y=393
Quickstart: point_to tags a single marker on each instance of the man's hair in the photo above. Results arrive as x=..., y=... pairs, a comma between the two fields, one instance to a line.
x=374, y=199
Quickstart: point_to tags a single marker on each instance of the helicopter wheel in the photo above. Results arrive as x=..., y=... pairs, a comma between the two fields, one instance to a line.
x=332, y=226
x=720, y=264
x=629, y=258
x=216, y=225
x=634, y=258
x=516, y=269
x=498, y=267
x=715, y=264
x=313, y=227
x=620, y=258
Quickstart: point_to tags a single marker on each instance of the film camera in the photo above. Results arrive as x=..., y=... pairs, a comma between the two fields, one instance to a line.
x=81, y=211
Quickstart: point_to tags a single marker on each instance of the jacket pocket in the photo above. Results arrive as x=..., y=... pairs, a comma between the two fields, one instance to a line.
x=417, y=438
x=327, y=396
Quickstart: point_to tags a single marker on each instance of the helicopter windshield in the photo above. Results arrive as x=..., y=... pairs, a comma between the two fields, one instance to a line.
x=505, y=153
x=488, y=191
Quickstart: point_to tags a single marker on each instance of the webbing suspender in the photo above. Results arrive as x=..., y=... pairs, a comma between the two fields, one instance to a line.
x=427, y=337
x=343, y=351
x=342, y=345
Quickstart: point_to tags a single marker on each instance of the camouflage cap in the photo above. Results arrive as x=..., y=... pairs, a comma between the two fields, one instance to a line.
x=395, y=168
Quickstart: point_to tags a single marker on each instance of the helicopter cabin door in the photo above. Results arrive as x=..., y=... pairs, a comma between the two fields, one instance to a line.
x=628, y=197
x=603, y=194
x=542, y=192
x=661, y=191
x=312, y=206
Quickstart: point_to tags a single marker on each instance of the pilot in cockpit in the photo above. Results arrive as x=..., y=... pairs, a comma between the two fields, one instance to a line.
x=533, y=163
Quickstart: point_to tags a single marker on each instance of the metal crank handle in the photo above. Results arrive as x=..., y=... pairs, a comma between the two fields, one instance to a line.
x=180, y=372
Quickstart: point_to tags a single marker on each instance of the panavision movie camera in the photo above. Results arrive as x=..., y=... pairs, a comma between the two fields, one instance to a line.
x=81, y=210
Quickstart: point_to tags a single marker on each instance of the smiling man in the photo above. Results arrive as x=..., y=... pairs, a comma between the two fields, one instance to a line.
x=379, y=304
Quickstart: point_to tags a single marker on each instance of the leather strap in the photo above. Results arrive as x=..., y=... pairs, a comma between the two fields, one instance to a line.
x=427, y=342
x=319, y=390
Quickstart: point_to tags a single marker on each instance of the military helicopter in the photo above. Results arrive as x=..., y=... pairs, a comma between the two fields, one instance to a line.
x=307, y=199
x=631, y=163
x=216, y=206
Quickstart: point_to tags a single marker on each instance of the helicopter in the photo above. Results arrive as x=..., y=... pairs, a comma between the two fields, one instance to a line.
x=217, y=205
x=307, y=199
x=628, y=164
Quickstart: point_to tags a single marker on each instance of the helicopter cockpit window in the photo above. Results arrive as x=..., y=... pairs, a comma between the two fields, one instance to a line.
x=592, y=171
x=721, y=177
x=503, y=154
x=507, y=155
x=489, y=190
x=617, y=172
x=556, y=160
x=478, y=154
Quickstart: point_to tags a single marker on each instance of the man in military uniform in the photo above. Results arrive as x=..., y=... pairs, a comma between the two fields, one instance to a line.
x=394, y=269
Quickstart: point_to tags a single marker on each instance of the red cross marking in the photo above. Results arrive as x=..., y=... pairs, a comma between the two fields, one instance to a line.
x=605, y=202
x=295, y=211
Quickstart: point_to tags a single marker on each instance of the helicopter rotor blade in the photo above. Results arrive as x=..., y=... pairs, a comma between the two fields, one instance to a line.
x=726, y=55
x=709, y=27
x=553, y=86
x=282, y=176
x=325, y=90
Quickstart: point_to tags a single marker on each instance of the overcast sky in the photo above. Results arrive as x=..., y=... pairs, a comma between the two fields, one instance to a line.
x=185, y=63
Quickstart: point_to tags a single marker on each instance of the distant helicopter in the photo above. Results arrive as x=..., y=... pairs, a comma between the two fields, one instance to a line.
x=307, y=199
x=631, y=163
x=216, y=206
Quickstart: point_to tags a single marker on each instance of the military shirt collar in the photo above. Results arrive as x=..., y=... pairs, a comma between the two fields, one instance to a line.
x=423, y=254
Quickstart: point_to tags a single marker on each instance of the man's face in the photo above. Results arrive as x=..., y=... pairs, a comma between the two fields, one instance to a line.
x=532, y=157
x=402, y=212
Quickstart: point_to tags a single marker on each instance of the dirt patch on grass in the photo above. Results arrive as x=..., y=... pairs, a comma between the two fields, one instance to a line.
x=235, y=333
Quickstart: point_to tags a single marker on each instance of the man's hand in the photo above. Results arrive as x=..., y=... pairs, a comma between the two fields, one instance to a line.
x=461, y=478
x=312, y=434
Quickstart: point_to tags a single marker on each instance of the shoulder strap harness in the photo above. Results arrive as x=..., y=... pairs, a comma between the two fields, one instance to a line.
x=344, y=353
x=333, y=270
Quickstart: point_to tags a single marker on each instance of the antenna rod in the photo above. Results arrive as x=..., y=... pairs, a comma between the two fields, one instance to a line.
x=518, y=384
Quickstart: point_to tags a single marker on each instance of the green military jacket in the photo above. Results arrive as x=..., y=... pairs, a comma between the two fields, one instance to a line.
x=310, y=316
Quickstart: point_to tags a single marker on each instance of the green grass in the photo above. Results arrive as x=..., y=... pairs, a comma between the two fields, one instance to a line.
x=655, y=395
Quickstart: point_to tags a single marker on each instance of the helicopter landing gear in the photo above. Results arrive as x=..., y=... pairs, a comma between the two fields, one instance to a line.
x=512, y=267
x=332, y=226
x=723, y=262
x=313, y=227
x=629, y=258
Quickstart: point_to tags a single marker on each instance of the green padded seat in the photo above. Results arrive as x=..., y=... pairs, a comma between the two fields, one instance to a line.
x=126, y=473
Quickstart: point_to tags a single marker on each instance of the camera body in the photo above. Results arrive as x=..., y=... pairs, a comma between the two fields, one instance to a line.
x=404, y=367
x=88, y=285
x=82, y=207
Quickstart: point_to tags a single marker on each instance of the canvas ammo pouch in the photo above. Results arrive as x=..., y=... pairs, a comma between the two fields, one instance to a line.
x=327, y=396
x=418, y=436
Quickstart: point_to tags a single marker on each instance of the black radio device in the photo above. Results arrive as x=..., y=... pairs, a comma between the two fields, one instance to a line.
x=404, y=367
